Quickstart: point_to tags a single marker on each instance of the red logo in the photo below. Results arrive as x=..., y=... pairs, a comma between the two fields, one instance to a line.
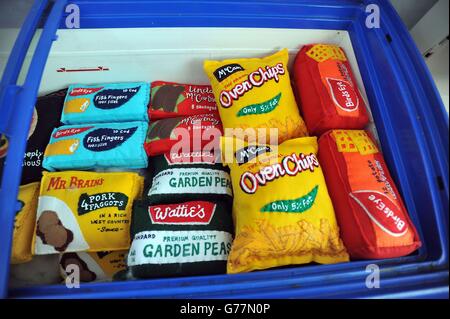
x=70, y=131
x=343, y=94
x=84, y=91
x=189, y=213
x=382, y=211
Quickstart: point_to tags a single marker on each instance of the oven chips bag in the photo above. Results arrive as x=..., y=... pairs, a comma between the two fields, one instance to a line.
x=85, y=211
x=24, y=223
x=256, y=93
x=282, y=211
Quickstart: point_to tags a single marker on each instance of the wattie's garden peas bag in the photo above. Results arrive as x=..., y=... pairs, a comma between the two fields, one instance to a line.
x=282, y=211
x=183, y=239
x=24, y=223
x=373, y=219
x=330, y=98
x=85, y=211
x=256, y=93
x=175, y=182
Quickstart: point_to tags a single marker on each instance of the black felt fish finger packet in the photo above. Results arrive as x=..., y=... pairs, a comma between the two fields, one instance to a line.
x=185, y=239
x=46, y=116
x=175, y=182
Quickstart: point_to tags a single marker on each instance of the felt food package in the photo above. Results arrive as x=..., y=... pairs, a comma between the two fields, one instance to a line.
x=113, y=145
x=282, y=211
x=327, y=88
x=85, y=211
x=373, y=219
x=174, y=182
x=98, y=266
x=46, y=116
x=117, y=102
x=191, y=133
x=170, y=99
x=256, y=93
x=188, y=238
x=24, y=223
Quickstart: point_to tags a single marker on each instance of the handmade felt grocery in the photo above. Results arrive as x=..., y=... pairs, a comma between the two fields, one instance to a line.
x=174, y=182
x=169, y=99
x=113, y=102
x=46, y=116
x=24, y=223
x=327, y=88
x=282, y=211
x=184, y=239
x=85, y=211
x=256, y=93
x=184, y=134
x=98, y=266
x=373, y=219
x=113, y=145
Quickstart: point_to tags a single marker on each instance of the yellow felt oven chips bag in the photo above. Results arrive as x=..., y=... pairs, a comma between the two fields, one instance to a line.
x=282, y=211
x=85, y=211
x=256, y=93
x=24, y=223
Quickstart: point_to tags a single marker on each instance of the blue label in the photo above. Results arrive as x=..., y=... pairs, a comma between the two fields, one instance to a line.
x=114, y=98
x=105, y=139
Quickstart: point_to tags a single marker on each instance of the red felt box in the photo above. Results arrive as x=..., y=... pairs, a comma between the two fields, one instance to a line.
x=372, y=218
x=327, y=90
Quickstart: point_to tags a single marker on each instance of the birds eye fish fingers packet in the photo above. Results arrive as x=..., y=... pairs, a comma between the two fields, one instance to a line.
x=256, y=94
x=173, y=182
x=327, y=88
x=98, y=266
x=24, y=223
x=114, y=102
x=183, y=239
x=194, y=133
x=169, y=99
x=373, y=219
x=282, y=211
x=85, y=211
x=109, y=145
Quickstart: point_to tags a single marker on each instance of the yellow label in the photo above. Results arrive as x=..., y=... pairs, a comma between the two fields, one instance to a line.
x=24, y=223
x=76, y=105
x=282, y=211
x=85, y=211
x=254, y=94
x=64, y=147
x=351, y=141
x=324, y=52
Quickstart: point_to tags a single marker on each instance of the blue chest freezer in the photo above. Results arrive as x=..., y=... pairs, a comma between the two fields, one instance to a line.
x=122, y=40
